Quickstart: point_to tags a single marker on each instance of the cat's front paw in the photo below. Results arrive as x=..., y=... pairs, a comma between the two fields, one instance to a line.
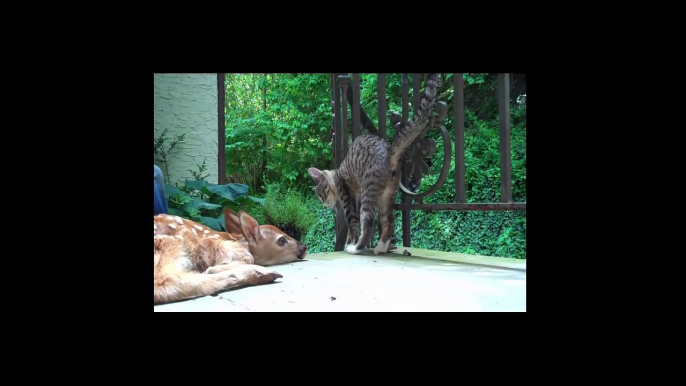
x=350, y=248
x=381, y=247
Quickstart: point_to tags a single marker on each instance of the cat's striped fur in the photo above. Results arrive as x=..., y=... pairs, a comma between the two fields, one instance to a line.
x=368, y=179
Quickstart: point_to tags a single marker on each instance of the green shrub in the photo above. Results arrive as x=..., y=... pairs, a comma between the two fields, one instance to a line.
x=322, y=235
x=288, y=210
x=201, y=201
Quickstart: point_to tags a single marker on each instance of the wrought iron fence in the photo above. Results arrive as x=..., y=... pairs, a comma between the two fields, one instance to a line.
x=346, y=90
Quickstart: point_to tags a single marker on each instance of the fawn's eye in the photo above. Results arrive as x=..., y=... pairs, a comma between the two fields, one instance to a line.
x=281, y=241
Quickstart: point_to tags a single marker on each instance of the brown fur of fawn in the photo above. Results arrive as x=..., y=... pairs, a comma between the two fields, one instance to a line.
x=193, y=260
x=368, y=179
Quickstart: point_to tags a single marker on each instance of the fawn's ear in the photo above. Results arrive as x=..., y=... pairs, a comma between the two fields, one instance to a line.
x=231, y=221
x=250, y=229
x=316, y=174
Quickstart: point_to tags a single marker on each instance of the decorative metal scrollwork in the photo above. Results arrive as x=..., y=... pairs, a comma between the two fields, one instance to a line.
x=422, y=148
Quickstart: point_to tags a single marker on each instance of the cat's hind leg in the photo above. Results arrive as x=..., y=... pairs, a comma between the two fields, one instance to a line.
x=387, y=220
x=366, y=223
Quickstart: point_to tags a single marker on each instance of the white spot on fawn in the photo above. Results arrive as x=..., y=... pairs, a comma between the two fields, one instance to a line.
x=178, y=219
x=214, y=236
x=205, y=231
x=184, y=264
x=198, y=227
x=155, y=226
x=194, y=232
x=172, y=226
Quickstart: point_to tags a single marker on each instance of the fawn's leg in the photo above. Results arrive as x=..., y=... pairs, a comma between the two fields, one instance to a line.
x=186, y=285
x=223, y=267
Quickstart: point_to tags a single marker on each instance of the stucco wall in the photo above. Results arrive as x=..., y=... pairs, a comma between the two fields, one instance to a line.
x=187, y=103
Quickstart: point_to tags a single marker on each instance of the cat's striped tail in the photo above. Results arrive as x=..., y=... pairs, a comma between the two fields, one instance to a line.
x=414, y=127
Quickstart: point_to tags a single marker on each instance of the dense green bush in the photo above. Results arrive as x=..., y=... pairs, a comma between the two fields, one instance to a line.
x=201, y=201
x=322, y=234
x=287, y=209
x=482, y=233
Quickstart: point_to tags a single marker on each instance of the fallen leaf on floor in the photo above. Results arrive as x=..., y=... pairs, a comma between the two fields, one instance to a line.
x=333, y=298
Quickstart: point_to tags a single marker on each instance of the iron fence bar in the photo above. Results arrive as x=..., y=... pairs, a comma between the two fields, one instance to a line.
x=505, y=155
x=364, y=118
x=381, y=92
x=458, y=124
x=333, y=115
x=341, y=227
x=416, y=96
x=382, y=111
x=344, y=106
x=406, y=113
x=356, y=105
x=406, y=199
x=494, y=206
x=416, y=101
x=337, y=120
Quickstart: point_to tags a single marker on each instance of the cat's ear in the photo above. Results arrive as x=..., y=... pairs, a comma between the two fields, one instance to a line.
x=316, y=174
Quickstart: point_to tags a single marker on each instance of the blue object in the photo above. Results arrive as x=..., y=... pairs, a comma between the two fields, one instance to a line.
x=160, y=197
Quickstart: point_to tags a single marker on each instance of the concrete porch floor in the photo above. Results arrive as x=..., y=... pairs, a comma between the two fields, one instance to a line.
x=340, y=282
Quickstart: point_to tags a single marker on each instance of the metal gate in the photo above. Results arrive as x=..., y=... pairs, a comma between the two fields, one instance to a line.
x=346, y=90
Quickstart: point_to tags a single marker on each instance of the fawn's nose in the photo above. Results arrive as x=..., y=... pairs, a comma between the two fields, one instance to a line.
x=302, y=251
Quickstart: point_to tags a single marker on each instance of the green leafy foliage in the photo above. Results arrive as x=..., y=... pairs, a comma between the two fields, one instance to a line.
x=201, y=201
x=200, y=173
x=321, y=235
x=278, y=125
x=287, y=209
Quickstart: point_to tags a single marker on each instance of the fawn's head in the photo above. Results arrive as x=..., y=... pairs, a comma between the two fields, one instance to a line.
x=268, y=244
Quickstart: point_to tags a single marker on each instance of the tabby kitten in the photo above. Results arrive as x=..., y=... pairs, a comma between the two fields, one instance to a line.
x=368, y=179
